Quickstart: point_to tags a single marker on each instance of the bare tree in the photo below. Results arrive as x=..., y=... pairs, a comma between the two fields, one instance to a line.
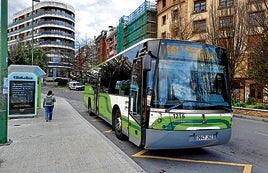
x=258, y=68
x=228, y=27
x=181, y=26
x=85, y=57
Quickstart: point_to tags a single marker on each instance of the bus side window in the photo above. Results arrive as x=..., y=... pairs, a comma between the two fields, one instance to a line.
x=122, y=87
x=124, y=90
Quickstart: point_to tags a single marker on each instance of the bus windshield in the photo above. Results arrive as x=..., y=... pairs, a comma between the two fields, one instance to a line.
x=191, y=77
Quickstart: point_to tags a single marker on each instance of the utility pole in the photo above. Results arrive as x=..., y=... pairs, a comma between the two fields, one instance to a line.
x=3, y=73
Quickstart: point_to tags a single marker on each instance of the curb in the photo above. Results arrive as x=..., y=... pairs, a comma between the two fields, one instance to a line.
x=251, y=117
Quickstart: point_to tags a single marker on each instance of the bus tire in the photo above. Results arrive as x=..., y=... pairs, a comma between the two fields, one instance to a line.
x=118, y=125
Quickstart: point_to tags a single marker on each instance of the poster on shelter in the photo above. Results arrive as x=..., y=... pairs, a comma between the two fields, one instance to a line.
x=21, y=97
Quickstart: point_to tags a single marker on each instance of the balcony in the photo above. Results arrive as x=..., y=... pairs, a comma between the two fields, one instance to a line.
x=41, y=13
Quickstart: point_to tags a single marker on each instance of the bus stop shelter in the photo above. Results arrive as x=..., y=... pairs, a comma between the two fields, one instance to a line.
x=24, y=90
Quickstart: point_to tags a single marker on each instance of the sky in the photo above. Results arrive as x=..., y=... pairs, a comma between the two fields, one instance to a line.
x=91, y=16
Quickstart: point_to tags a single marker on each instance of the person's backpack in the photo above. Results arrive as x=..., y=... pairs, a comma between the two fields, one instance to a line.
x=49, y=100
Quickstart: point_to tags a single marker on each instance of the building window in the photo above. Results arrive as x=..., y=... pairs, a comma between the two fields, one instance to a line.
x=199, y=5
x=164, y=3
x=226, y=22
x=175, y=15
x=254, y=40
x=256, y=18
x=259, y=94
x=200, y=26
x=254, y=92
x=164, y=20
x=226, y=3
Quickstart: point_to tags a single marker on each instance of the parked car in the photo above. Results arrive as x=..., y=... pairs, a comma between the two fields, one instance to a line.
x=76, y=86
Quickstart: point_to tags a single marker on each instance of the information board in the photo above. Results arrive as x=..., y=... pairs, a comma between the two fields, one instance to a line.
x=22, y=94
x=21, y=97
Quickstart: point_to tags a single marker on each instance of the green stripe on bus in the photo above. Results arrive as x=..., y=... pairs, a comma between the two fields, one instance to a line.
x=105, y=106
x=167, y=123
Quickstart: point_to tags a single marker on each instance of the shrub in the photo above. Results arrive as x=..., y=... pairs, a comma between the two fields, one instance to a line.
x=251, y=101
x=250, y=104
x=241, y=104
x=237, y=103
x=259, y=107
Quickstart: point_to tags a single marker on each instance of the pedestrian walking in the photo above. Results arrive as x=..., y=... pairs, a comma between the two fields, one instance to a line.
x=48, y=104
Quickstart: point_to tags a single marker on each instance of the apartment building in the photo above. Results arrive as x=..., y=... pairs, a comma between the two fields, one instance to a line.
x=101, y=47
x=53, y=25
x=233, y=24
x=111, y=42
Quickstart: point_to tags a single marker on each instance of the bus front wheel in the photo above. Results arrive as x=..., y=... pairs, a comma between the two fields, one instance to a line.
x=118, y=125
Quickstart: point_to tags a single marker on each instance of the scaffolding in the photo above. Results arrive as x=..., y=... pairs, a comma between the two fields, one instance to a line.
x=120, y=33
x=139, y=25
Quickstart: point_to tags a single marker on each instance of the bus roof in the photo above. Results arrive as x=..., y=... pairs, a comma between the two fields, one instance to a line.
x=141, y=42
x=100, y=64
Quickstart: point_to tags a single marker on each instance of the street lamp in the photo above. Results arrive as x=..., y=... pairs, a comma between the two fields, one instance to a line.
x=33, y=28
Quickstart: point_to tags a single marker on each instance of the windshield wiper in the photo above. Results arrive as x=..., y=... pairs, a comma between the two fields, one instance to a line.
x=173, y=107
x=184, y=101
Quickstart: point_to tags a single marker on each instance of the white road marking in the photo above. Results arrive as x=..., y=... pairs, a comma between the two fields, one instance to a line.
x=263, y=134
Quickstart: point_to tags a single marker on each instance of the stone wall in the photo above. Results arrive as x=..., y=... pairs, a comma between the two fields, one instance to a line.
x=250, y=112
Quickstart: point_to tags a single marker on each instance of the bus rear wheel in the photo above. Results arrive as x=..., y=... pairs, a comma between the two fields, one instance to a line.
x=118, y=125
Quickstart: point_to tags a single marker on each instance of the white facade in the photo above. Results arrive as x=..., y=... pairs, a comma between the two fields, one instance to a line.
x=54, y=31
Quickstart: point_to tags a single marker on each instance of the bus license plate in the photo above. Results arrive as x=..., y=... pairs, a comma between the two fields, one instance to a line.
x=204, y=137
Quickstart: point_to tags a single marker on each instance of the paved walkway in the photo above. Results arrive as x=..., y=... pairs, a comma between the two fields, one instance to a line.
x=67, y=144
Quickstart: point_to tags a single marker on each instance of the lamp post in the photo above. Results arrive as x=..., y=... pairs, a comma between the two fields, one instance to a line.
x=3, y=72
x=33, y=29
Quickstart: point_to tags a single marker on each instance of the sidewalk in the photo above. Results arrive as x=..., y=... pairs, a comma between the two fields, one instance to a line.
x=67, y=144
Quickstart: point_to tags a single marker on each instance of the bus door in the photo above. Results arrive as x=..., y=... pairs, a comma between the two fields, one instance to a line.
x=135, y=104
x=96, y=96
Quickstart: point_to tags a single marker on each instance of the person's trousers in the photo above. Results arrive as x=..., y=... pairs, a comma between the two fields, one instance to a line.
x=48, y=112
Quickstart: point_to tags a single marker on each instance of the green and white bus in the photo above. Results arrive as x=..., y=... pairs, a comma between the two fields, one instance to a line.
x=164, y=94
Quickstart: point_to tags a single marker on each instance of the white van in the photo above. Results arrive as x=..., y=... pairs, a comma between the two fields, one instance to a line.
x=76, y=86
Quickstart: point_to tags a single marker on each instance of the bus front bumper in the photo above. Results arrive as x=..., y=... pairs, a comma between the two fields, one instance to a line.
x=160, y=139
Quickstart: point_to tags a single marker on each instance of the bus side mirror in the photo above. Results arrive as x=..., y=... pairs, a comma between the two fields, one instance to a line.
x=147, y=63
